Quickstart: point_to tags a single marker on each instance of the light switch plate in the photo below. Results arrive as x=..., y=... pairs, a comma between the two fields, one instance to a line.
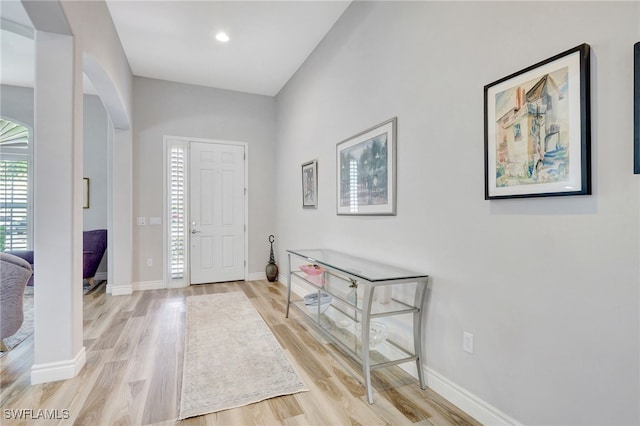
x=467, y=342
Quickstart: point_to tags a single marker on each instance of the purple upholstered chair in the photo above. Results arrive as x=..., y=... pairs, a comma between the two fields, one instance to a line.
x=94, y=244
x=26, y=255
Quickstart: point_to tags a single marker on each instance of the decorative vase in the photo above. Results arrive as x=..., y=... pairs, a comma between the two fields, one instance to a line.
x=271, y=270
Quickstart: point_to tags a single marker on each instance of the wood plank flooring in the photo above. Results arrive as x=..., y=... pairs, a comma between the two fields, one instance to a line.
x=133, y=374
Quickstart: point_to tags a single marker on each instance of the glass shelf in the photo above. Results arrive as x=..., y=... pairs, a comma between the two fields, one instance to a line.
x=361, y=268
x=341, y=290
x=361, y=290
x=343, y=330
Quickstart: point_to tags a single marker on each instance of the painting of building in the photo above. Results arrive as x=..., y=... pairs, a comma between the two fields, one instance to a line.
x=532, y=131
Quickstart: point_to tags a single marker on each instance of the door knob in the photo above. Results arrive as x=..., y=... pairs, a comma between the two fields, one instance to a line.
x=193, y=228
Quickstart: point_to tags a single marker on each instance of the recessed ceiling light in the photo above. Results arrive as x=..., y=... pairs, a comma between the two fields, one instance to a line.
x=222, y=36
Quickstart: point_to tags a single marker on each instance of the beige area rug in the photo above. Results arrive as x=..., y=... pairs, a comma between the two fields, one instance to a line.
x=26, y=329
x=231, y=357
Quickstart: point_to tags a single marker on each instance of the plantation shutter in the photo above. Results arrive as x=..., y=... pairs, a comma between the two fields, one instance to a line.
x=177, y=210
x=14, y=186
x=14, y=206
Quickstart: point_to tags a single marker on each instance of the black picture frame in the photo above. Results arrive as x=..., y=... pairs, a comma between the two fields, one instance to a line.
x=310, y=185
x=537, y=132
x=636, y=108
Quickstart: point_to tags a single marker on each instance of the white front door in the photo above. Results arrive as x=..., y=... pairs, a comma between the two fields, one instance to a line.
x=217, y=210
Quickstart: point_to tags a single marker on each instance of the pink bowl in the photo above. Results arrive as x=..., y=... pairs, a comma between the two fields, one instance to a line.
x=311, y=269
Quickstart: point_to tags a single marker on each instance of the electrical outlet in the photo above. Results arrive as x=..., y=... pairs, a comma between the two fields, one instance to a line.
x=467, y=342
x=154, y=221
x=149, y=262
x=141, y=221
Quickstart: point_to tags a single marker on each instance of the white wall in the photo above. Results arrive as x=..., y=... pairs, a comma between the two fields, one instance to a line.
x=549, y=287
x=167, y=108
x=17, y=103
x=103, y=57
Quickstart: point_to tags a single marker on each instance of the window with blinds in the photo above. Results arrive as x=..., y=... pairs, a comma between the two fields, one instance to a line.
x=177, y=211
x=14, y=203
x=14, y=186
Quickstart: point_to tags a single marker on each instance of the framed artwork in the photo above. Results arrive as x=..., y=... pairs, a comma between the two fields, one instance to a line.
x=310, y=185
x=636, y=108
x=85, y=193
x=537, y=133
x=367, y=172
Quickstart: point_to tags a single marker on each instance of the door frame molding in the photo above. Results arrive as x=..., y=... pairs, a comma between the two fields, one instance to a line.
x=186, y=282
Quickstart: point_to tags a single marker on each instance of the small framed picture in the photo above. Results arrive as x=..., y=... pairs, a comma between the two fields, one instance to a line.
x=310, y=185
x=367, y=172
x=537, y=129
x=85, y=193
x=636, y=108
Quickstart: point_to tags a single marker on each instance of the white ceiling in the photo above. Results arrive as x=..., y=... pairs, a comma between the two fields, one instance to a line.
x=174, y=40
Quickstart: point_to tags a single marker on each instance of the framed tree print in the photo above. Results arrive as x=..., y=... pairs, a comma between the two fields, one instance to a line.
x=367, y=172
x=537, y=129
x=310, y=185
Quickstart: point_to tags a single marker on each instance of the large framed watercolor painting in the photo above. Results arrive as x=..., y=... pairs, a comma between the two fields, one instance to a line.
x=367, y=172
x=537, y=129
x=310, y=185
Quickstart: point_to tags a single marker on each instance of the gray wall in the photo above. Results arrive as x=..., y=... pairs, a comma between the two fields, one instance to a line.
x=95, y=124
x=548, y=287
x=166, y=108
x=17, y=103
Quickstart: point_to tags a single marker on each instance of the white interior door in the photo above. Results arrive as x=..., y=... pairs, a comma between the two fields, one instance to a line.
x=217, y=222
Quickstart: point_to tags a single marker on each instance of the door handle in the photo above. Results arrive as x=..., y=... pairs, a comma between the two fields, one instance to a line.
x=194, y=231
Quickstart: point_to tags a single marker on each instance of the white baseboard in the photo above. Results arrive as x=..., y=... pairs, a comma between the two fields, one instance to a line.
x=120, y=290
x=467, y=402
x=177, y=284
x=149, y=285
x=282, y=278
x=457, y=395
x=61, y=370
x=256, y=276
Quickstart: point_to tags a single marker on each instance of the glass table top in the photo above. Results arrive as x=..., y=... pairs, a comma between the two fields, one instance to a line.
x=365, y=269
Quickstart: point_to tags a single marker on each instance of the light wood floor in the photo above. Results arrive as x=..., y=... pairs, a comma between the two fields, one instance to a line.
x=134, y=370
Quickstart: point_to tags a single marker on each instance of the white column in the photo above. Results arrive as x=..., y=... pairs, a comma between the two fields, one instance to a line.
x=58, y=352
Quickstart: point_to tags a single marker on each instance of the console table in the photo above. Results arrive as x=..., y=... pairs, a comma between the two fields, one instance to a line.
x=360, y=291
